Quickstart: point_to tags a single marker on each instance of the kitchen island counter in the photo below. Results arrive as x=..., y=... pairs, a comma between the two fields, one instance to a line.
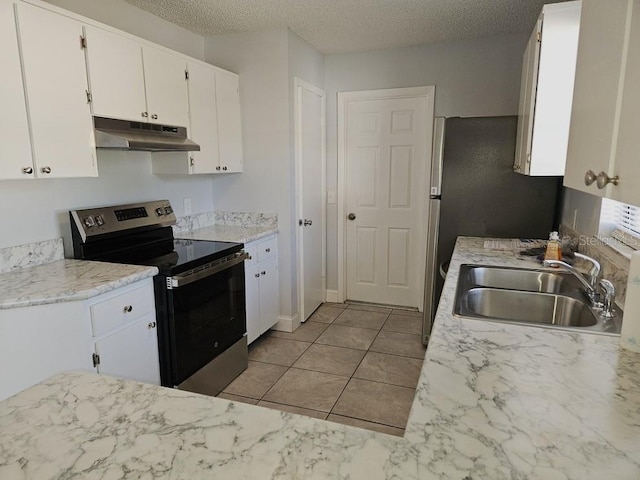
x=494, y=401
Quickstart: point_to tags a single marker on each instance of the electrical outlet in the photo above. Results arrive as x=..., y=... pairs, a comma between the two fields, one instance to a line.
x=187, y=206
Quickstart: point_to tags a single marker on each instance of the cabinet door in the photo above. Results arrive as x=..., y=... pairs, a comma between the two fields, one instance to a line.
x=15, y=144
x=597, y=92
x=229, y=124
x=56, y=85
x=627, y=164
x=269, y=298
x=166, y=87
x=132, y=352
x=252, y=294
x=203, y=118
x=116, y=78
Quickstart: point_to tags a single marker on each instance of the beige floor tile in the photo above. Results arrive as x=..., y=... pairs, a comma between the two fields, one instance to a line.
x=256, y=380
x=349, y=337
x=399, y=344
x=361, y=318
x=403, y=324
x=291, y=409
x=307, y=332
x=375, y=402
x=278, y=351
x=335, y=305
x=369, y=308
x=328, y=359
x=238, y=398
x=407, y=313
x=307, y=389
x=393, y=369
x=376, y=427
x=326, y=314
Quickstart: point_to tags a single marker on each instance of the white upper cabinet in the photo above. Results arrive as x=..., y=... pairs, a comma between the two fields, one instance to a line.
x=57, y=93
x=604, y=141
x=166, y=87
x=546, y=91
x=131, y=81
x=229, y=121
x=15, y=145
x=115, y=75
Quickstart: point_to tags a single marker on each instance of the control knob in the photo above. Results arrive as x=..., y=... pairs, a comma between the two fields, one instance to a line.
x=168, y=210
x=160, y=211
x=89, y=221
x=99, y=220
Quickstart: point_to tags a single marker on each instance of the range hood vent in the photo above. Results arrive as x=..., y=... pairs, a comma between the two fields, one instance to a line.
x=148, y=137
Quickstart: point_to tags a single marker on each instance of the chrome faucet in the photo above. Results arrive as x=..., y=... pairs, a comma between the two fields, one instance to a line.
x=594, y=272
x=589, y=290
x=608, y=298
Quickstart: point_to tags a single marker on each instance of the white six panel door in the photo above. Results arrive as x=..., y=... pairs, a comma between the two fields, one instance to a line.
x=388, y=145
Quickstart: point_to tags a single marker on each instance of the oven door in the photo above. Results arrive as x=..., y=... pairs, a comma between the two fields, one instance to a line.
x=206, y=315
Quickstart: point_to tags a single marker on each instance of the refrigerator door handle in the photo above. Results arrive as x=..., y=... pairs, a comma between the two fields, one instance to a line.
x=431, y=269
x=437, y=156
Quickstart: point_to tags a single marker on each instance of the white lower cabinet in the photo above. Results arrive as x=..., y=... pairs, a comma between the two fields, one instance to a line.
x=262, y=287
x=40, y=341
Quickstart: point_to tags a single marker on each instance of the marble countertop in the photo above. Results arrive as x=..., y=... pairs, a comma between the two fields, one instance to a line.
x=66, y=280
x=228, y=233
x=494, y=401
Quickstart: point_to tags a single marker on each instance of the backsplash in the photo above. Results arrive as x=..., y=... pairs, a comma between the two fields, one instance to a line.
x=238, y=219
x=31, y=254
x=615, y=266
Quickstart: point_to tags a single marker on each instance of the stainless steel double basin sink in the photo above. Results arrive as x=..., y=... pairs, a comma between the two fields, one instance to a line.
x=535, y=297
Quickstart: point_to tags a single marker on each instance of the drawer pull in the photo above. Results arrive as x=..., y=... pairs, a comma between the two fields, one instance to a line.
x=128, y=309
x=267, y=250
x=151, y=325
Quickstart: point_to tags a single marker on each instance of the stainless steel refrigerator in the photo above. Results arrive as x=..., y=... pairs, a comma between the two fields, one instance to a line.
x=475, y=192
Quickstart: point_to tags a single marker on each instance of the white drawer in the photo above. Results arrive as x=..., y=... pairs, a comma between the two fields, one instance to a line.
x=121, y=310
x=267, y=250
x=252, y=250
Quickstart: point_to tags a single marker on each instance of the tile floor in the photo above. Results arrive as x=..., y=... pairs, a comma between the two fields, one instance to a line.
x=349, y=363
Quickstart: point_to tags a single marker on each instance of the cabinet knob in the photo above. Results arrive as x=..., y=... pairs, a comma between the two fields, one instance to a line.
x=145, y=114
x=351, y=216
x=27, y=170
x=151, y=325
x=257, y=275
x=603, y=180
x=263, y=273
x=154, y=117
x=192, y=162
x=128, y=309
x=224, y=168
x=589, y=177
x=46, y=170
x=218, y=167
x=267, y=250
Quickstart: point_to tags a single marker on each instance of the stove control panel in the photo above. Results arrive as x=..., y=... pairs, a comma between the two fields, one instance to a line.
x=107, y=220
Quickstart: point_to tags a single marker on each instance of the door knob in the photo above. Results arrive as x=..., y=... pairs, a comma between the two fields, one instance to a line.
x=603, y=180
x=589, y=177
x=351, y=216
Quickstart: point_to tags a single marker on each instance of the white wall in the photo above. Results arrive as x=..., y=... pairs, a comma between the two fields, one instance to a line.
x=36, y=210
x=473, y=78
x=261, y=60
x=121, y=15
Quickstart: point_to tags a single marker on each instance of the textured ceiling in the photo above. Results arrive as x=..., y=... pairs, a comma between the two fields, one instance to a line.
x=334, y=26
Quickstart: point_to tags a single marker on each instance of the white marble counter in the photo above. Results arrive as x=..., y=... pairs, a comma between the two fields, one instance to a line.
x=66, y=280
x=228, y=233
x=494, y=401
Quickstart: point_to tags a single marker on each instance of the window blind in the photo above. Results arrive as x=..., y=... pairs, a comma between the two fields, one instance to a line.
x=627, y=224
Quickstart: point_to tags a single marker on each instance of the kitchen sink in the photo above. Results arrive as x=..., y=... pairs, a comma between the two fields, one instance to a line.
x=532, y=297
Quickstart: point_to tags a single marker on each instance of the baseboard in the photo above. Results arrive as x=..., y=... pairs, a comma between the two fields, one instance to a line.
x=332, y=296
x=287, y=324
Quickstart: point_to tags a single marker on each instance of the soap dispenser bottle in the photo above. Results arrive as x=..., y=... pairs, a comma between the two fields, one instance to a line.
x=554, y=250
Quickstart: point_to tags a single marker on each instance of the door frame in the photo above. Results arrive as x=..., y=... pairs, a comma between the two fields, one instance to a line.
x=343, y=99
x=300, y=85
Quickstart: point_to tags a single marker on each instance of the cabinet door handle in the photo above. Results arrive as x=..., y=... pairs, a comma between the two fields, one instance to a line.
x=46, y=170
x=27, y=170
x=145, y=114
x=151, y=325
x=589, y=177
x=154, y=117
x=603, y=180
x=128, y=309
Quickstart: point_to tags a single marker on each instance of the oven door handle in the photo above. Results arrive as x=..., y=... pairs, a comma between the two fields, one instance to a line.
x=191, y=276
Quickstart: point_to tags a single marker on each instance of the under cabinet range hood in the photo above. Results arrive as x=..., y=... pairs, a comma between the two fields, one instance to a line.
x=148, y=137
